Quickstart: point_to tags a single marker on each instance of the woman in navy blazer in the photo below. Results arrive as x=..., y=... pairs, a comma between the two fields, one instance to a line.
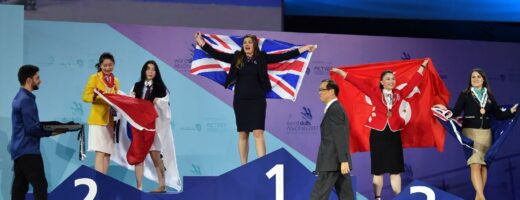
x=478, y=104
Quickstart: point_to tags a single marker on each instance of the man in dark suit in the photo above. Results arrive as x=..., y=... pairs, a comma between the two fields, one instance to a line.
x=334, y=163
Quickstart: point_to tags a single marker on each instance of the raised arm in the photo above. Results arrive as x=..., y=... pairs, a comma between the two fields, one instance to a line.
x=274, y=58
x=224, y=57
x=361, y=84
x=414, y=81
x=423, y=66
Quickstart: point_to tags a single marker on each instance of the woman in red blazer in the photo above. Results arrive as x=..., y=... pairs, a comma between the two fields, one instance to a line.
x=386, y=150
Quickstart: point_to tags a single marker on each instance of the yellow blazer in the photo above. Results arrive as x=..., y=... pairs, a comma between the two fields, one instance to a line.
x=100, y=110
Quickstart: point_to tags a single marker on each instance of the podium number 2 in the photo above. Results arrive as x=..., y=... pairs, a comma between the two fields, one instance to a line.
x=430, y=195
x=91, y=184
x=278, y=171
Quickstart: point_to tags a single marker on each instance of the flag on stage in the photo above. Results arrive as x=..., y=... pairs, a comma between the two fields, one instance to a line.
x=286, y=77
x=500, y=130
x=421, y=129
x=145, y=118
x=141, y=114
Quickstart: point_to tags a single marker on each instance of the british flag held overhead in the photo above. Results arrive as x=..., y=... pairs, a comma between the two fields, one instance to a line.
x=286, y=77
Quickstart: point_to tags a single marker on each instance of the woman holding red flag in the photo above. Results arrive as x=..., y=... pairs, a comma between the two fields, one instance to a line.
x=386, y=150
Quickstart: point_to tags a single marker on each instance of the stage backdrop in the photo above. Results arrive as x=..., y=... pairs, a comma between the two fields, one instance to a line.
x=203, y=120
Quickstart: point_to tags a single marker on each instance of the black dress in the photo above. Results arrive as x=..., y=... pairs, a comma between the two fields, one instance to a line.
x=251, y=85
x=386, y=152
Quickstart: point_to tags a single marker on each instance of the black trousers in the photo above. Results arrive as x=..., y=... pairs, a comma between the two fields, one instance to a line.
x=29, y=169
x=328, y=179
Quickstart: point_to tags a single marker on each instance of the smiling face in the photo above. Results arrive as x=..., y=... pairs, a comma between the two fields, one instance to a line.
x=477, y=80
x=107, y=66
x=388, y=81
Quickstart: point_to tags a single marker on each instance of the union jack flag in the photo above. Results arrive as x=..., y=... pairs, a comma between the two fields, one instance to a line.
x=286, y=77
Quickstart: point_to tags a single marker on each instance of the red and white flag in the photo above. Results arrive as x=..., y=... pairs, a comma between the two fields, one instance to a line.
x=422, y=129
x=141, y=114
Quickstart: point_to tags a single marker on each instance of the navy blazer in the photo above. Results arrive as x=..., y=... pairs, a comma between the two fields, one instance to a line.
x=468, y=104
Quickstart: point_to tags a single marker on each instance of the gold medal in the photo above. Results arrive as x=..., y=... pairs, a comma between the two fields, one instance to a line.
x=482, y=111
x=389, y=114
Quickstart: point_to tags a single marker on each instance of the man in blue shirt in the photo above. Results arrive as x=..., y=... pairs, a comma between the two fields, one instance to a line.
x=25, y=141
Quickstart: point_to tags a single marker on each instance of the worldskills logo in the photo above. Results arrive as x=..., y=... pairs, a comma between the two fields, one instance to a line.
x=307, y=115
x=303, y=123
x=183, y=64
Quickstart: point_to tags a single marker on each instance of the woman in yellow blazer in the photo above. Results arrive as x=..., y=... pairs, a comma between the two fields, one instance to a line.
x=101, y=119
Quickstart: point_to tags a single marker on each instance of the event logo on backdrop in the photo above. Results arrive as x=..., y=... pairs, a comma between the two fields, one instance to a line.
x=183, y=63
x=216, y=125
x=405, y=56
x=321, y=68
x=303, y=122
x=190, y=128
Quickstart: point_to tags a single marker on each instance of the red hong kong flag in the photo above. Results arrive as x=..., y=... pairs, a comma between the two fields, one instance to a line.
x=421, y=129
x=141, y=114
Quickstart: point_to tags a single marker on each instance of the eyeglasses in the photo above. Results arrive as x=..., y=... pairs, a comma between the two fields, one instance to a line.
x=324, y=89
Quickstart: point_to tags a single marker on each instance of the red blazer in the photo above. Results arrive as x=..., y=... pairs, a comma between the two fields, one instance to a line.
x=378, y=118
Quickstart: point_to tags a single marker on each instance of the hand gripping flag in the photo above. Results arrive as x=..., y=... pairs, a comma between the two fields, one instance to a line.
x=500, y=129
x=422, y=129
x=286, y=77
x=141, y=114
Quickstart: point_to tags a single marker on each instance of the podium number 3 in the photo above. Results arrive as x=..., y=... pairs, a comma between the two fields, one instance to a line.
x=277, y=171
x=430, y=195
x=91, y=184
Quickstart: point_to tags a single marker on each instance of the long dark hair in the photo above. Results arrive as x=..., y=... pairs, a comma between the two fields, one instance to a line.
x=382, y=75
x=484, y=84
x=242, y=54
x=159, y=88
x=103, y=57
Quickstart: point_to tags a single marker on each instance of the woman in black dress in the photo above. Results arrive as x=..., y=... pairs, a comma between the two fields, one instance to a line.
x=478, y=103
x=248, y=73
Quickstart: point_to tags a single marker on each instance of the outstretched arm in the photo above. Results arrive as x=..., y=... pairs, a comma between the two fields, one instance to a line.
x=423, y=66
x=274, y=58
x=359, y=83
x=225, y=57
x=416, y=78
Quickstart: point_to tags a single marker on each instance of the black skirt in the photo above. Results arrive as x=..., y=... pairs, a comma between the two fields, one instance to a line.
x=249, y=114
x=386, y=152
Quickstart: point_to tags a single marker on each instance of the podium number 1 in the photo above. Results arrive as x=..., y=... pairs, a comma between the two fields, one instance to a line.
x=278, y=171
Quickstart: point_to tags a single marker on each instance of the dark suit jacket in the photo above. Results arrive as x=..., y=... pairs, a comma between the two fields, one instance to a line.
x=468, y=104
x=263, y=59
x=334, y=145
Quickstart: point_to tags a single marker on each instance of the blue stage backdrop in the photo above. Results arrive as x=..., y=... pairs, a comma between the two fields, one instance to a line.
x=461, y=10
x=203, y=120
